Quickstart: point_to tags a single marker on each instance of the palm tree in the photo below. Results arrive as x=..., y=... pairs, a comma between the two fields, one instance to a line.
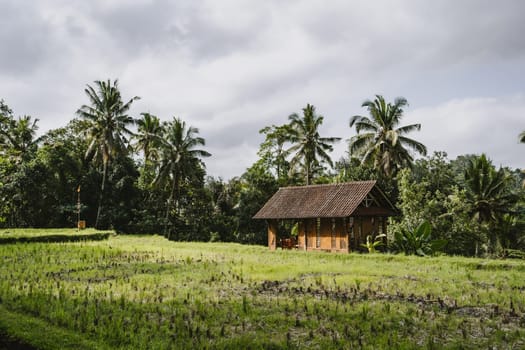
x=272, y=149
x=488, y=194
x=17, y=136
x=149, y=130
x=384, y=143
x=178, y=157
x=108, y=127
x=308, y=146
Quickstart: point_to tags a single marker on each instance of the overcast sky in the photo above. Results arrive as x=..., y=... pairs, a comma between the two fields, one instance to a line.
x=233, y=67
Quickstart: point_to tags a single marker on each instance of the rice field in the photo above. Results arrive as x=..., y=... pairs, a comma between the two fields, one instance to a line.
x=144, y=292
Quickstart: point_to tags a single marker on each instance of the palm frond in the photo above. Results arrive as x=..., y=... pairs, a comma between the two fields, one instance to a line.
x=408, y=128
x=415, y=145
x=522, y=137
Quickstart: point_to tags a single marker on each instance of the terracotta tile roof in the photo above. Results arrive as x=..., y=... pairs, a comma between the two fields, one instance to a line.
x=318, y=201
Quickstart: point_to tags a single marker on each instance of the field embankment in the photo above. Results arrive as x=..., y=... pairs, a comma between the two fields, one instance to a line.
x=10, y=236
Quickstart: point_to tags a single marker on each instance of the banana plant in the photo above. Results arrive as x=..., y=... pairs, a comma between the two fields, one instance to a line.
x=372, y=245
x=418, y=241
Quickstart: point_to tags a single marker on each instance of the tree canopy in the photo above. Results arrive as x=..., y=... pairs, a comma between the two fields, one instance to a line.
x=309, y=149
x=140, y=173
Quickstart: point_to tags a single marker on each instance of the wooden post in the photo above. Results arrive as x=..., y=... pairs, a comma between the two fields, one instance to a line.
x=272, y=234
x=306, y=234
x=78, y=209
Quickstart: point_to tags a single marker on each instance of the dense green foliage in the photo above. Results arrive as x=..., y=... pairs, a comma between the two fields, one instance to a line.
x=143, y=292
x=107, y=127
x=474, y=207
x=145, y=175
x=417, y=241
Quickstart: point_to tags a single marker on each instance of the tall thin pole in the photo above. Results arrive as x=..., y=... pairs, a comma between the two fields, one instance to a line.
x=78, y=208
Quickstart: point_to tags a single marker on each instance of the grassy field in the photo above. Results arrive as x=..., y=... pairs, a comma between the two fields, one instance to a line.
x=144, y=292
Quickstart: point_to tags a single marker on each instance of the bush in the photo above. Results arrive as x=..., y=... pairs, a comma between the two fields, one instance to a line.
x=418, y=241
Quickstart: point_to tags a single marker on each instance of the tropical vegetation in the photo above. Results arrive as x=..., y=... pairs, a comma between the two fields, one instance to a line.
x=417, y=241
x=107, y=127
x=147, y=174
x=309, y=149
x=178, y=160
x=384, y=143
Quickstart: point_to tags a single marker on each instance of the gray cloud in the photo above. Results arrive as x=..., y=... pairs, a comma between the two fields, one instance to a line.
x=233, y=67
x=201, y=30
x=24, y=37
x=475, y=125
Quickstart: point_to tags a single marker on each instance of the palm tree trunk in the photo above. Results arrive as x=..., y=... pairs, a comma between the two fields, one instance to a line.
x=308, y=175
x=479, y=221
x=174, y=189
x=177, y=192
x=102, y=187
x=167, y=233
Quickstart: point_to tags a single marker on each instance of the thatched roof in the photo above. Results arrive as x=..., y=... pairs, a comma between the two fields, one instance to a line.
x=325, y=201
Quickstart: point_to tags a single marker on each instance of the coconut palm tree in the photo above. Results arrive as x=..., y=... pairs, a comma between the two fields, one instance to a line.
x=108, y=127
x=384, y=143
x=149, y=130
x=178, y=157
x=488, y=194
x=308, y=147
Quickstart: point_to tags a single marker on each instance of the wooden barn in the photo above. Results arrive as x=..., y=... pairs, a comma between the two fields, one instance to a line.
x=335, y=217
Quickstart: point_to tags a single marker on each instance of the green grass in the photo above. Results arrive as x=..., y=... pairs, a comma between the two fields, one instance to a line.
x=144, y=292
x=42, y=334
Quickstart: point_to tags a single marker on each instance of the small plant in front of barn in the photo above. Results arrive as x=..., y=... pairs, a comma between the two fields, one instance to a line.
x=417, y=241
x=372, y=245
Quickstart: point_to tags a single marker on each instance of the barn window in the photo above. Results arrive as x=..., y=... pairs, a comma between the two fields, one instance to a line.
x=318, y=233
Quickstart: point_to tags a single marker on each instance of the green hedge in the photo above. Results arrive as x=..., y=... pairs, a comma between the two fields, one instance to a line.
x=56, y=238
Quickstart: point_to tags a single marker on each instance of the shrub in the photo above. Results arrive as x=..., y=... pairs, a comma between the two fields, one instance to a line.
x=417, y=241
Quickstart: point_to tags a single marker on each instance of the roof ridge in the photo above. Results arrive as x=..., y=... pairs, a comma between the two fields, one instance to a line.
x=328, y=185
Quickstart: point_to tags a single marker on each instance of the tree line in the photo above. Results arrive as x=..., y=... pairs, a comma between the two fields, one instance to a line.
x=144, y=175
